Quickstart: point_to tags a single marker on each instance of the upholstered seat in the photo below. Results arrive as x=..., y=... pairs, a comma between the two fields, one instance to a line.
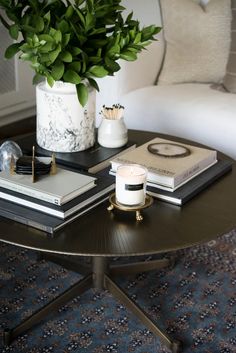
x=200, y=111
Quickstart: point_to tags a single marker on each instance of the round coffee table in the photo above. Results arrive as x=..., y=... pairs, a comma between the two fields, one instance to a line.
x=101, y=235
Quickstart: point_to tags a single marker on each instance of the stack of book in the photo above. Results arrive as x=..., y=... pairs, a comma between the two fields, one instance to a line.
x=175, y=178
x=54, y=200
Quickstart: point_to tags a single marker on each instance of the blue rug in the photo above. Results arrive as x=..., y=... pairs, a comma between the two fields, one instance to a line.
x=195, y=301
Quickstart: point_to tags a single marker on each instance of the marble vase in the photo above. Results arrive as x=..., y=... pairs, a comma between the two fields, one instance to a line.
x=63, y=125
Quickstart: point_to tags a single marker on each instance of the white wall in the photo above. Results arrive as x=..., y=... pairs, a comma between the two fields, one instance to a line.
x=113, y=87
x=17, y=94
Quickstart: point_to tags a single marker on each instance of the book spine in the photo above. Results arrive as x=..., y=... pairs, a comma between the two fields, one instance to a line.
x=30, y=192
x=33, y=205
x=160, y=196
x=20, y=219
x=194, y=170
x=87, y=209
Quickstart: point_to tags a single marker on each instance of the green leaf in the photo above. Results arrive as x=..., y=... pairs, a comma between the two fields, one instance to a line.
x=11, y=15
x=93, y=83
x=72, y=77
x=76, y=51
x=129, y=17
x=37, y=78
x=75, y=66
x=111, y=65
x=58, y=36
x=45, y=37
x=45, y=58
x=82, y=93
x=84, y=62
x=38, y=23
x=34, y=4
x=65, y=39
x=50, y=81
x=97, y=43
x=63, y=26
x=80, y=15
x=58, y=71
x=138, y=38
x=90, y=5
x=35, y=39
x=47, y=47
x=12, y=50
x=95, y=60
x=128, y=55
x=113, y=51
x=47, y=17
x=69, y=12
x=14, y=31
x=35, y=65
x=54, y=54
x=26, y=56
x=66, y=56
x=98, y=71
x=89, y=21
x=28, y=29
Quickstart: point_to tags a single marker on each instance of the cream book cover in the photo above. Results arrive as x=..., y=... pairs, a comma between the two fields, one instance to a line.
x=58, y=189
x=170, y=172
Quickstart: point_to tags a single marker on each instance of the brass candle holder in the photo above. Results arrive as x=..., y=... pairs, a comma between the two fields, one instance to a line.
x=137, y=208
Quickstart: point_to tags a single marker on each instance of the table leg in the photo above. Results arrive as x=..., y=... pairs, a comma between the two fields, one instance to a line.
x=141, y=266
x=173, y=345
x=71, y=263
x=78, y=288
x=100, y=278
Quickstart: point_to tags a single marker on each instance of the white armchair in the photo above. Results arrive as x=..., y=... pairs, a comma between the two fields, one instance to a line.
x=191, y=110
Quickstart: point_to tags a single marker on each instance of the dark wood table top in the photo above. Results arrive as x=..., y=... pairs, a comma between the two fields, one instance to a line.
x=165, y=227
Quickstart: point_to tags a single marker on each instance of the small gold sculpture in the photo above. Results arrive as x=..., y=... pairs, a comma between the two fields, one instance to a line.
x=31, y=165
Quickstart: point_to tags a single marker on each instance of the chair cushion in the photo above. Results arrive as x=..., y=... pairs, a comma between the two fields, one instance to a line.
x=197, y=40
x=194, y=111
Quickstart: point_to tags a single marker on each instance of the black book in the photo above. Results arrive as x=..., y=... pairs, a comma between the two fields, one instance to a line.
x=104, y=185
x=92, y=160
x=39, y=220
x=194, y=186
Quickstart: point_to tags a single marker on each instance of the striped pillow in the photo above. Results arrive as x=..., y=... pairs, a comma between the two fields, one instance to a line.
x=230, y=77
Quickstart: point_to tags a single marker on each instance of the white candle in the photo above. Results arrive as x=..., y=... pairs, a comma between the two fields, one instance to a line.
x=131, y=185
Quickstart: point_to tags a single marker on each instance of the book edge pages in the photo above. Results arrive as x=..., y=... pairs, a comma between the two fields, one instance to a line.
x=45, y=195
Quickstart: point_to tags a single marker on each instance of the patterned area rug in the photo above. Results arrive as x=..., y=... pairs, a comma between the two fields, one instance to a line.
x=195, y=301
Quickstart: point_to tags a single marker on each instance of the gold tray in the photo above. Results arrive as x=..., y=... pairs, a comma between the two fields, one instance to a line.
x=136, y=208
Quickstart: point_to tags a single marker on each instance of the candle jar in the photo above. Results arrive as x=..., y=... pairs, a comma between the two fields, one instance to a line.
x=131, y=185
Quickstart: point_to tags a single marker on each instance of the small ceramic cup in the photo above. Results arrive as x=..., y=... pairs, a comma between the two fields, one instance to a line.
x=112, y=133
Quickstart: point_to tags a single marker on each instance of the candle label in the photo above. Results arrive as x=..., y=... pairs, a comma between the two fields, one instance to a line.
x=134, y=187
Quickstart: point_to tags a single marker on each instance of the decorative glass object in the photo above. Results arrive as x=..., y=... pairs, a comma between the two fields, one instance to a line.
x=8, y=150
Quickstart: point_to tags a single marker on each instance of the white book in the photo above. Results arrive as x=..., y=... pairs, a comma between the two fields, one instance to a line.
x=57, y=189
x=168, y=173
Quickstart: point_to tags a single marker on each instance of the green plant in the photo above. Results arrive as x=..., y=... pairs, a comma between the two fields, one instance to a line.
x=73, y=41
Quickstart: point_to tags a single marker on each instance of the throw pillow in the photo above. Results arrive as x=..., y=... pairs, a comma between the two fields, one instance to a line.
x=197, y=40
x=230, y=77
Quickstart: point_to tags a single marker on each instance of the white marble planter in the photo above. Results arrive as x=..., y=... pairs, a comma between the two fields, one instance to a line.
x=63, y=125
